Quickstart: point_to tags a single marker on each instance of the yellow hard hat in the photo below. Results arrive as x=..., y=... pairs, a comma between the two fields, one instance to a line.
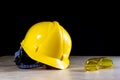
x=49, y=43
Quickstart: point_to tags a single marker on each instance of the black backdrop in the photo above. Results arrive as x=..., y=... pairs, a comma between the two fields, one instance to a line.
x=92, y=32
x=88, y=36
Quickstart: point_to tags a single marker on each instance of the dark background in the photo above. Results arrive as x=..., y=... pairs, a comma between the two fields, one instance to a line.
x=93, y=31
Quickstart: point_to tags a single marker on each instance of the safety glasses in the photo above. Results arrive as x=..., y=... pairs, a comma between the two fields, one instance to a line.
x=94, y=64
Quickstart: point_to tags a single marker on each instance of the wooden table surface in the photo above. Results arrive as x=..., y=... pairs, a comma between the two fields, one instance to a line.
x=9, y=71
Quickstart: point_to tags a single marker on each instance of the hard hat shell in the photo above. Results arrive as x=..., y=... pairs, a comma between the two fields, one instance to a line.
x=49, y=43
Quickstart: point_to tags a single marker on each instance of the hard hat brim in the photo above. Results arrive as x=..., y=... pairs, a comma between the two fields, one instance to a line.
x=53, y=62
